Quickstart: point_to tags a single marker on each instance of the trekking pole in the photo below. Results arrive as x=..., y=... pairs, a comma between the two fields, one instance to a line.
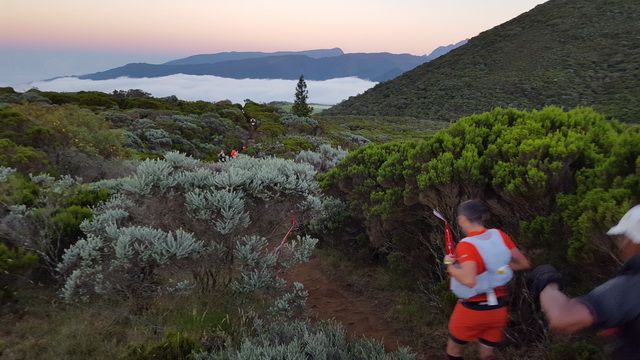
x=276, y=251
x=448, y=238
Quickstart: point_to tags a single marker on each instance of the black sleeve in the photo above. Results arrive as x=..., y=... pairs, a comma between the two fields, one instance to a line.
x=615, y=302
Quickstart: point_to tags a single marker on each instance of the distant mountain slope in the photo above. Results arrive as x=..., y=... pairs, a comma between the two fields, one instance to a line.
x=375, y=67
x=441, y=50
x=236, y=55
x=313, y=64
x=564, y=52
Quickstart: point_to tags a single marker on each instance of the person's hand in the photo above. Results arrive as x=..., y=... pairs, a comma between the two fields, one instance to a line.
x=449, y=259
x=540, y=277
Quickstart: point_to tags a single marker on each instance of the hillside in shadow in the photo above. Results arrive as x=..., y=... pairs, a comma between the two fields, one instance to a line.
x=563, y=53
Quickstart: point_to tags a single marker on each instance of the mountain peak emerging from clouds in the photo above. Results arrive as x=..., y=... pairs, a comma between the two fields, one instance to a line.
x=323, y=64
x=235, y=55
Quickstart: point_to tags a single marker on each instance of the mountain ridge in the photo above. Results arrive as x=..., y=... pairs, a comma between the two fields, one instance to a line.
x=242, y=55
x=322, y=64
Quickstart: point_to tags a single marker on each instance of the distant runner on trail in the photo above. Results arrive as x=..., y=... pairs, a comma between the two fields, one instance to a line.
x=253, y=122
x=234, y=153
x=613, y=306
x=481, y=267
x=221, y=156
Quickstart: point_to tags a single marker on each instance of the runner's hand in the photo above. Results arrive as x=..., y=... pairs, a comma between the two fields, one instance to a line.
x=449, y=259
x=540, y=277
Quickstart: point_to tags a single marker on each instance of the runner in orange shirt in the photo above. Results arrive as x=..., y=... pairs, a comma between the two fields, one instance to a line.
x=482, y=266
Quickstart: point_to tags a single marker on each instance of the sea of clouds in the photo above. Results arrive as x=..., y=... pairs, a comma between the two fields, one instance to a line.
x=214, y=88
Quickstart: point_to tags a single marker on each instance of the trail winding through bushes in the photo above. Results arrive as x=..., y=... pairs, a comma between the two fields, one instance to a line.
x=362, y=311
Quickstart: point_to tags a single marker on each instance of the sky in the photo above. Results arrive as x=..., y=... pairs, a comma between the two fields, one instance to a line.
x=43, y=39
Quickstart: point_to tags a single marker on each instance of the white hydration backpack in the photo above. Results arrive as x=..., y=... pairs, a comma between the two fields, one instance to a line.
x=496, y=257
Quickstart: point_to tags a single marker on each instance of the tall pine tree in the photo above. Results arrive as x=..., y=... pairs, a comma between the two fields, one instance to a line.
x=300, y=107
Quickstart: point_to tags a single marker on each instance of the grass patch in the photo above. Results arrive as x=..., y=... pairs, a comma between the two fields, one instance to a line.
x=317, y=108
x=45, y=328
x=382, y=129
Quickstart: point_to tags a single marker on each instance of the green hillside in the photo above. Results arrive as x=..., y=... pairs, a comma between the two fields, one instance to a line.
x=564, y=53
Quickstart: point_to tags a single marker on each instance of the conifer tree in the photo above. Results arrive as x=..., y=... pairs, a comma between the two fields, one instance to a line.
x=300, y=106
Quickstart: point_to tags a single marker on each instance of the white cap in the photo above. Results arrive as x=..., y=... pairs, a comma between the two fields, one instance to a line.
x=629, y=225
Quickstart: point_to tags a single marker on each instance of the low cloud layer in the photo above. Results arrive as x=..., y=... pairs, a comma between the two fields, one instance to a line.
x=213, y=88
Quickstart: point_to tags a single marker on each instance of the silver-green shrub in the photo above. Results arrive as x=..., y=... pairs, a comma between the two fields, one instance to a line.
x=324, y=158
x=330, y=216
x=224, y=209
x=132, y=141
x=158, y=138
x=290, y=119
x=5, y=172
x=357, y=139
x=299, y=340
x=178, y=223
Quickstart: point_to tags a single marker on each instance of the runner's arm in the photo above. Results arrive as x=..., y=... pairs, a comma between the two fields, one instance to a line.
x=518, y=260
x=464, y=272
x=564, y=314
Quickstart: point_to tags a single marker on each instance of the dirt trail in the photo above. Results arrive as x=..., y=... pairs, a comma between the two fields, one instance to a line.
x=361, y=311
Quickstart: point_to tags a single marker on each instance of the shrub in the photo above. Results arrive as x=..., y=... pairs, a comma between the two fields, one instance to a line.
x=134, y=241
x=66, y=224
x=14, y=263
x=216, y=124
x=324, y=158
x=77, y=128
x=143, y=103
x=300, y=340
x=271, y=129
x=94, y=99
x=299, y=124
x=158, y=139
x=330, y=216
x=295, y=145
x=44, y=225
x=16, y=189
x=290, y=120
x=23, y=158
x=196, y=107
x=118, y=119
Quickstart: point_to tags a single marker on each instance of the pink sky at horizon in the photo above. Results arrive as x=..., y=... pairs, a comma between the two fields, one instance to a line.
x=43, y=39
x=194, y=27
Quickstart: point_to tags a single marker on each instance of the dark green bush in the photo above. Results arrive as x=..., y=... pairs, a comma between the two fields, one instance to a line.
x=18, y=190
x=86, y=198
x=95, y=99
x=147, y=104
x=67, y=224
x=296, y=145
x=23, y=158
x=60, y=98
x=399, y=271
x=7, y=90
x=196, y=107
x=271, y=129
x=14, y=263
